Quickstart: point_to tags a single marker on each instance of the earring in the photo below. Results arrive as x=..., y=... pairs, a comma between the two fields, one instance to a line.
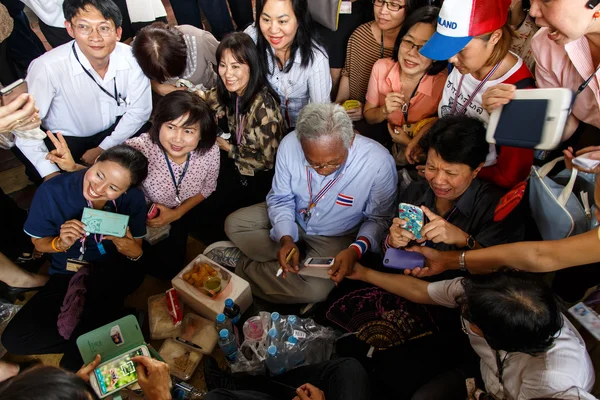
x=596, y=15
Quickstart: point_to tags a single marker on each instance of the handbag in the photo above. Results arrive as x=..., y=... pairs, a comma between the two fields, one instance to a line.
x=510, y=201
x=555, y=207
x=326, y=12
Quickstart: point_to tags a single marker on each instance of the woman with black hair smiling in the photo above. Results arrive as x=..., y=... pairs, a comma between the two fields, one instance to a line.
x=246, y=99
x=405, y=90
x=297, y=67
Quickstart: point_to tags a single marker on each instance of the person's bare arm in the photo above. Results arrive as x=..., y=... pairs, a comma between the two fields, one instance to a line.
x=343, y=90
x=410, y=288
x=542, y=256
x=164, y=89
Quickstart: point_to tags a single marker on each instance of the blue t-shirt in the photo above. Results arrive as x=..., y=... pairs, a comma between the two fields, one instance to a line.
x=61, y=199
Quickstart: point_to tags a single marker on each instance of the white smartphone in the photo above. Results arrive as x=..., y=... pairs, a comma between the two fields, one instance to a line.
x=534, y=119
x=317, y=267
x=12, y=91
x=117, y=373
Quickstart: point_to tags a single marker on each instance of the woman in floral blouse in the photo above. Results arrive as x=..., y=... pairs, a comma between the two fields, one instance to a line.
x=249, y=104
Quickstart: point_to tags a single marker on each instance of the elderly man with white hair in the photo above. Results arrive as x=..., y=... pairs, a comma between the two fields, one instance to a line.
x=333, y=195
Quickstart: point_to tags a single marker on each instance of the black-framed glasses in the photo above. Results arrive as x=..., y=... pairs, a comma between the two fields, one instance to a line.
x=409, y=45
x=391, y=5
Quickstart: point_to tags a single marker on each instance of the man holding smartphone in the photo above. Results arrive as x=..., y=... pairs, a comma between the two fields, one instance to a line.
x=91, y=89
x=333, y=194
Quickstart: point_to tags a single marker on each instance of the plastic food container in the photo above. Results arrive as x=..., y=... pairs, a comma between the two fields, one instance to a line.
x=161, y=322
x=196, y=298
x=199, y=331
x=157, y=234
x=182, y=359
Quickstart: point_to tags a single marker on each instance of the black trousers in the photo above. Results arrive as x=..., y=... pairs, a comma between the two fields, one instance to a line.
x=339, y=379
x=234, y=191
x=23, y=44
x=34, y=329
x=13, y=241
x=216, y=12
x=55, y=36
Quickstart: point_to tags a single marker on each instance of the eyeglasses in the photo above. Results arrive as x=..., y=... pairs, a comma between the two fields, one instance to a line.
x=103, y=30
x=392, y=6
x=326, y=166
x=409, y=45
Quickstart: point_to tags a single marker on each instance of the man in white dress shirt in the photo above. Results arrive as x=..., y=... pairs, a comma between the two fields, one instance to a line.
x=91, y=89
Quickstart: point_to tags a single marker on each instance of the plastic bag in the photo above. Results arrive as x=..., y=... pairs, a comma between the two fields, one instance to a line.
x=298, y=342
x=7, y=312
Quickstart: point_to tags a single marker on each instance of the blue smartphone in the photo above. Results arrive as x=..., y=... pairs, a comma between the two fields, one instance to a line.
x=104, y=222
x=402, y=259
x=414, y=217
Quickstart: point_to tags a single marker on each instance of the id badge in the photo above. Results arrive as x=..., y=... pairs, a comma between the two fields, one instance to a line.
x=346, y=7
x=75, y=265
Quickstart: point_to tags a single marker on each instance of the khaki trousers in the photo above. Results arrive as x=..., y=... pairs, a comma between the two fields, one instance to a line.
x=249, y=229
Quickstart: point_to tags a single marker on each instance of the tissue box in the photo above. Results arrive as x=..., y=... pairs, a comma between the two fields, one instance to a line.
x=238, y=290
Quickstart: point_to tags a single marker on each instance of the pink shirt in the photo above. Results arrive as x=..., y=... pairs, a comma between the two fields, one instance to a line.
x=200, y=177
x=568, y=66
x=385, y=78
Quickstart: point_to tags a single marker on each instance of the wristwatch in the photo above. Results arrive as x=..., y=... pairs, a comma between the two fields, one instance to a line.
x=461, y=261
x=470, y=242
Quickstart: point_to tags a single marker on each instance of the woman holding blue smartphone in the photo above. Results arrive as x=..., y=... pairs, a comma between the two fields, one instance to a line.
x=459, y=208
x=90, y=274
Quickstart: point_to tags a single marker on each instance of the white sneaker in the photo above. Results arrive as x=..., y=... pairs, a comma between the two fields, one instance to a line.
x=224, y=253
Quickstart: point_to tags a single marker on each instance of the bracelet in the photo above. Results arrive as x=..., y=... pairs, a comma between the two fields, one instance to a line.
x=361, y=245
x=55, y=247
x=137, y=258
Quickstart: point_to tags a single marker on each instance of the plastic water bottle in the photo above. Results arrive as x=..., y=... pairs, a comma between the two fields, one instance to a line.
x=274, y=337
x=276, y=321
x=228, y=345
x=295, y=356
x=232, y=311
x=295, y=328
x=222, y=322
x=275, y=361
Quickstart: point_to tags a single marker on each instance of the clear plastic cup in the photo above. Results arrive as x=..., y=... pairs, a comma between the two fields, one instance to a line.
x=253, y=329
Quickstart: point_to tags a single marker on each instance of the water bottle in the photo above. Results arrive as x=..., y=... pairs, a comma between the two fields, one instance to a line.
x=222, y=322
x=295, y=356
x=276, y=321
x=232, y=311
x=296, y=330
x=273, y=337
x=275, y=361
x=228, y=345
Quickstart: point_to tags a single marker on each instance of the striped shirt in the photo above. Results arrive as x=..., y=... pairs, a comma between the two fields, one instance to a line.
x=363, y=51
x=300, y=85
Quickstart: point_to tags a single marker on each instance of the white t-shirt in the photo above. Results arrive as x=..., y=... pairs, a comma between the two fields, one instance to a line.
x=475, y=109
x=565, y=369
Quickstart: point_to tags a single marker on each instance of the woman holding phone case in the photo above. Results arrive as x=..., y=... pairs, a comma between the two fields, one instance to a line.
x=459, y=207
x=107, y=268
x=567, y=54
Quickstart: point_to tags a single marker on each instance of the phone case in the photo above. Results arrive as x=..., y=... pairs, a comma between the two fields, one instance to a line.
x=402, y=259
x=153, y=211
x=315, y=272
x=534, y=119
x=414, y=217
x=104, y=222
x=12, y=91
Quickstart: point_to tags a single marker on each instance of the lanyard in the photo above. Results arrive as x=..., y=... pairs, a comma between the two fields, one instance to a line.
x=313, y=201
x=176, y=183
x=406, y=105
x=115, y=96
x=239, y=120
x=584, y=85
x=463, y=108
x=98, y=240
x=500, y=366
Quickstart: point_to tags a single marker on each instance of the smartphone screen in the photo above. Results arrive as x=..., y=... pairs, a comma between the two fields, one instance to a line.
x=117, y=373
x=321, y=261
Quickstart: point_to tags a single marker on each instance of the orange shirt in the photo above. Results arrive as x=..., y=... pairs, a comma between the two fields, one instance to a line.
x=385, y=78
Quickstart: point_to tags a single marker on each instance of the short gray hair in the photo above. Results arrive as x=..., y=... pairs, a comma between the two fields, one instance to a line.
x=316, y=121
